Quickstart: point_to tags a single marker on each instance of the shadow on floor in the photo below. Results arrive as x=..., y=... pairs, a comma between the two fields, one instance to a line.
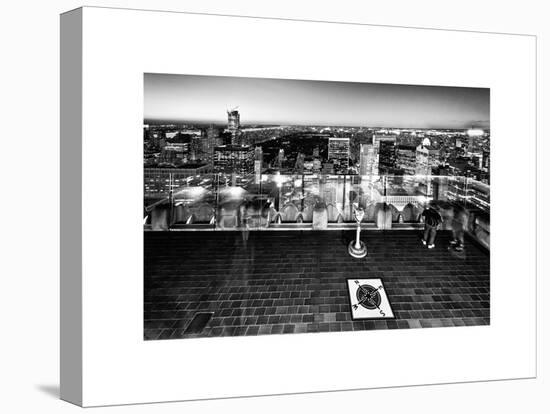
x=49, y=389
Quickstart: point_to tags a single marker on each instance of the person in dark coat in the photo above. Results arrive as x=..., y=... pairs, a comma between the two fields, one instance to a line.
x=458, y=226
x=432, y=220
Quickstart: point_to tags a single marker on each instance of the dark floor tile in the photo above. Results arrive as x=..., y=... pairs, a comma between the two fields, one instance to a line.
x=298, y=279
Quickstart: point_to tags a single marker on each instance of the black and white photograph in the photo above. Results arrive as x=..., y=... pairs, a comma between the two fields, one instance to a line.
x=275, y=207
x=282, y=206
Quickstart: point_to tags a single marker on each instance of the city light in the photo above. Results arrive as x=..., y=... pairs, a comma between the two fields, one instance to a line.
x=474, y=132
x=199, y=167
x=279, y=179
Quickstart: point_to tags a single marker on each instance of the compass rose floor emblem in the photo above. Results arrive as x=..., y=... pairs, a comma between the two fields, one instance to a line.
x=368, y=299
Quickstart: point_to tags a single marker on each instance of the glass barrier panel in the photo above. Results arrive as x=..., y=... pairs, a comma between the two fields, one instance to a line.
x=177, y=199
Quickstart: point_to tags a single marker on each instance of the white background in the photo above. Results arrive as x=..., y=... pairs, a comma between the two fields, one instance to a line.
x=30, y=208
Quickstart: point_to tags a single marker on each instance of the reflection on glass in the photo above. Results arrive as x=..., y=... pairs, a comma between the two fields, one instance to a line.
x=229, y=201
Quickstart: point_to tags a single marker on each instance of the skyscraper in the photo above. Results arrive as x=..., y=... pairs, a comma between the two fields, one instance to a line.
x=386, y=154
x=258, y=162
x=427, y=157
x=234, y=125
x=422, y=161
x=174, y=154
x=376, y=138
x=196, y=152
x=280, y=158
x=367, y=160
x=211, y=141
x=406, y=159
x=486, y=161
x=338, y=154
x=230, y=159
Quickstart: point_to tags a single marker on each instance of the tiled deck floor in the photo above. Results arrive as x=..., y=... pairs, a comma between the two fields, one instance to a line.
x=295, y=281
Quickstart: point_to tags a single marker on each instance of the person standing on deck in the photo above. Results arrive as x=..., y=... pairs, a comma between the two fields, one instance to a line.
x=432, y=220
x=458, y=226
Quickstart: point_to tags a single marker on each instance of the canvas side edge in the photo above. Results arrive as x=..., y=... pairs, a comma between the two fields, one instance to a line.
x=71, y=354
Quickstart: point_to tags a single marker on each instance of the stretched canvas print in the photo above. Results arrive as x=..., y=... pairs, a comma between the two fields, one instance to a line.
x=263, y=198
x=249, y=204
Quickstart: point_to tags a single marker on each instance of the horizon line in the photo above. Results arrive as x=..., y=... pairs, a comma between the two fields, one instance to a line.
x=260, y=123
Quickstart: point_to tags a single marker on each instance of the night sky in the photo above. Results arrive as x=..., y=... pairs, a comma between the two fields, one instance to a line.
x=191, y=98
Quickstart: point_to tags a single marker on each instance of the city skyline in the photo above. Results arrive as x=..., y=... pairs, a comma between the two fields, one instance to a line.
x=205, y=99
